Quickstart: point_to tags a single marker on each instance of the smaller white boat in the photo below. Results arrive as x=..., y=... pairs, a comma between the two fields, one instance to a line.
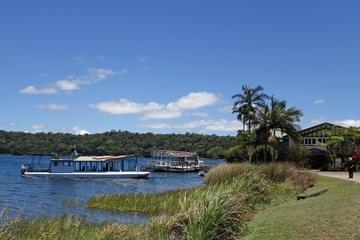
x=121, y=166
x=174, y=161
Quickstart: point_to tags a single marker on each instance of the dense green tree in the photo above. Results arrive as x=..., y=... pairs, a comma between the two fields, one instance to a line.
x=235, y=154
x=216, y=153
x=121, y=142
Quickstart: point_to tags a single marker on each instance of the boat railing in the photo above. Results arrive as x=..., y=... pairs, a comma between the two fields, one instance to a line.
x=34, y=167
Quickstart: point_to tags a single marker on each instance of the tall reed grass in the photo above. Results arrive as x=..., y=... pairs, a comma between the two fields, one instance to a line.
x=276, y=172
x=152, y=203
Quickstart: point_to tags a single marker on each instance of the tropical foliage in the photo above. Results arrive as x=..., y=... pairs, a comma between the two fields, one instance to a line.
x=343, y=143
x=267, y=119
x=114, y=142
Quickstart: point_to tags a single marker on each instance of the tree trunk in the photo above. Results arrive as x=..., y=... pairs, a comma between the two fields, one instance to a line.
x=265, y=149
x=274, y=150
x=343, y=159
x=249, y=153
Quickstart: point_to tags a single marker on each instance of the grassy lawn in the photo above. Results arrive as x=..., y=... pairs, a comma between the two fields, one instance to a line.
x=333, y=215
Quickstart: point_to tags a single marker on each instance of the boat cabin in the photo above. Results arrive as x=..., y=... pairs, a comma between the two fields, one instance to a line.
x=94, y=164
x=175, y=157
x=177, y=161
x=122, y=166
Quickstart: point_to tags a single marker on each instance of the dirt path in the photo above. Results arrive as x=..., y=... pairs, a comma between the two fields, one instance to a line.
x=340, y=175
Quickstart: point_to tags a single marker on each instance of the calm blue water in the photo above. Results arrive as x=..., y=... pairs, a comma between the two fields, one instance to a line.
x=38, y=196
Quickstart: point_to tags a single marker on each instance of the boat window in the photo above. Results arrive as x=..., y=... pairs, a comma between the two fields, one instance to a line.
x=77, y=166
x=66, y=163
x=55, y=163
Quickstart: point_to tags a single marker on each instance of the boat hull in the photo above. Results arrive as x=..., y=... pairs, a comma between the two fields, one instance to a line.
x=129, y=174
x=174, y=169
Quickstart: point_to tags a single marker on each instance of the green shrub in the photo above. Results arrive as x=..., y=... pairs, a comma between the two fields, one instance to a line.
x=225, y=172
x=219, y=212
x=216, y=153
x=258, y=154
x=213, y=216
x=336, y=168
x=278, y=172
x=66, y=227
x=147, y=203
x=298, y=155
x=235, y=154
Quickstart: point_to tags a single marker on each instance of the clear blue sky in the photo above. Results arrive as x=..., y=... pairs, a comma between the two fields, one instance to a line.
x=172, y=66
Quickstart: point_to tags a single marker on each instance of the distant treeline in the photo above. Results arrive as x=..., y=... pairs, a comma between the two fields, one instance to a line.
x=114, y=142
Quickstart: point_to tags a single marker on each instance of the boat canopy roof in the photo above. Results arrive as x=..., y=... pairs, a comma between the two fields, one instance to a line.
x=101, y=158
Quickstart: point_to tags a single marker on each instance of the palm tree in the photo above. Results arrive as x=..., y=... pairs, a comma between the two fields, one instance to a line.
x=264, y=126
x=276, y=111
x=276, y=117
x=247, y=104
x=284, y=119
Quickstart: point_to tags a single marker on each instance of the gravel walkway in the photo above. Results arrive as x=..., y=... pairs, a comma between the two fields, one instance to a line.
x=340, y=175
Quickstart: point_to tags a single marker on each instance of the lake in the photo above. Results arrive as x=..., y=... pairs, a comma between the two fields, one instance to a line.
x=39, y=196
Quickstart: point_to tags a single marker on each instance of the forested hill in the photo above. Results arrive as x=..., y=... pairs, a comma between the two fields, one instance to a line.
x=114, y=142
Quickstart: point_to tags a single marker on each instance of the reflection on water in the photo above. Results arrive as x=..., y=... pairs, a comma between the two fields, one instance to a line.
x=37, y=196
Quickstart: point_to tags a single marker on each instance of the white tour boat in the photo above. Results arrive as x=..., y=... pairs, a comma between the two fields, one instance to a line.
x=174, y=161
x=121, y=166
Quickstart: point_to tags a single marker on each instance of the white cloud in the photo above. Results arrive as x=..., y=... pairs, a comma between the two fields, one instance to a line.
x=99, y=73
x=53, y=107
x=319, y=101
x=12, y=124
x=316, y=121
x=73, y=82
x=39, y=128
x=210, y=125
x=75, y=130
x=66, y=85
x=223, y=125
x=194, y=100
x=154, y=110
x=124, y=106
x=199, y=114
x=35, y=91
x=162, y=114
x=226, y=109
x=348, y=123
x=78, y=131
